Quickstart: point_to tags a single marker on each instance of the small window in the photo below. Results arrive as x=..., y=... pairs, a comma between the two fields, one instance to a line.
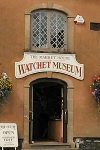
x=48, y=30
x=95, y=26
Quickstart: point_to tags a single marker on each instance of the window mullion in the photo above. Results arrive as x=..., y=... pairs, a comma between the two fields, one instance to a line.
x=40, y=31
x=56, y=30
x=65, y=31
x=48, y=28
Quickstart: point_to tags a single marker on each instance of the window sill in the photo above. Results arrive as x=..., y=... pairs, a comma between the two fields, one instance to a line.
x=60, y=51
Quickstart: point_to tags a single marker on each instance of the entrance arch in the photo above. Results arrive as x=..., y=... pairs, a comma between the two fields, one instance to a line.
x=69, y=91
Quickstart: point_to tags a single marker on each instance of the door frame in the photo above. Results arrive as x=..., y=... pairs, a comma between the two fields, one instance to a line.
x=70, y=96
x=65, y=109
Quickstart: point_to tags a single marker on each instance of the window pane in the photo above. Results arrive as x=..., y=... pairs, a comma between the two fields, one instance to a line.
x=48, y=29
x=39, y=30
x=57, y=31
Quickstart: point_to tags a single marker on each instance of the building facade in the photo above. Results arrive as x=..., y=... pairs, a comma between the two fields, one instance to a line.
x=52, y=60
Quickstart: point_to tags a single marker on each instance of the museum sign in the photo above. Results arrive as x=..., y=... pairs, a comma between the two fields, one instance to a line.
x=45, y=62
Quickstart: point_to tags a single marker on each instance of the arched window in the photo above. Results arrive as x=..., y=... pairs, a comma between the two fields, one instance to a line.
x=48, y=31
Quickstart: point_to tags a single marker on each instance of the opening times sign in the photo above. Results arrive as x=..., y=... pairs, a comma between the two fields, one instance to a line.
x=44, y=62
x=8, y=135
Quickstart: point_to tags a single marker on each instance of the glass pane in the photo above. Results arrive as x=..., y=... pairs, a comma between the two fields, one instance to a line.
x=47, y=29
x=57, y=31
x=39, y=30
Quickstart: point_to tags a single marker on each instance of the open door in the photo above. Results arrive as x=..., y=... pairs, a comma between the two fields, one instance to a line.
x=65, y=113
x=46, y=106
x=31, y=117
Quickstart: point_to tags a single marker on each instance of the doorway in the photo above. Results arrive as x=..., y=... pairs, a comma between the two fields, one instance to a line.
x=48, y=108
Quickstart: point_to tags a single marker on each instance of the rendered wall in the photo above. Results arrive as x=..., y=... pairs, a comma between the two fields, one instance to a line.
x=86, y=47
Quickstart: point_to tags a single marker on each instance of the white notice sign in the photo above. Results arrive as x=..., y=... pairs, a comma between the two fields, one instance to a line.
x=8, y=135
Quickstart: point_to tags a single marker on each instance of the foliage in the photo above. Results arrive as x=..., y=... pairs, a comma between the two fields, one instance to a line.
x=96, y=88
x=5, y=86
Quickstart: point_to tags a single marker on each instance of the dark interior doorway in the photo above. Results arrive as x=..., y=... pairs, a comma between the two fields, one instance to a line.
x=46, y=105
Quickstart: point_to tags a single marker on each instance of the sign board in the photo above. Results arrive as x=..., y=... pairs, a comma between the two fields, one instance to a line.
x=44, y=62
x=8, y=135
